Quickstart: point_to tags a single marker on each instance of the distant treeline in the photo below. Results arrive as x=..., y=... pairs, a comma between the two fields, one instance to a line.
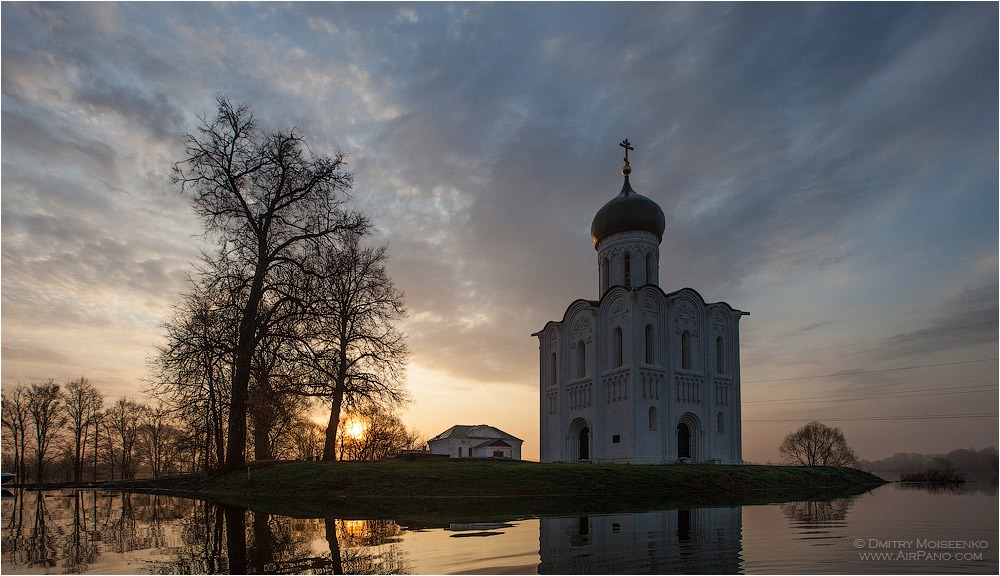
x=70, y=433
x=970, y=462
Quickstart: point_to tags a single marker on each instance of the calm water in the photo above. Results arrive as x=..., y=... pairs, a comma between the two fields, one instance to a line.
x=893, y=529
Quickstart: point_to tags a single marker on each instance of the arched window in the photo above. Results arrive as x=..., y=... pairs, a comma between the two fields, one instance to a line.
x=628, y=271
x=581, y=359
x=650, y=352
x=555, y=379
x=607, y=274
x=686, y=350
x=616, y=343
x=720, y=358
x=720, y=423
x=652, y=417
x=650, y=269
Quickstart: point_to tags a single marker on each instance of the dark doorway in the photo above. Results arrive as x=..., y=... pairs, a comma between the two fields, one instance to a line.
x=683, y=441
x=585, y=444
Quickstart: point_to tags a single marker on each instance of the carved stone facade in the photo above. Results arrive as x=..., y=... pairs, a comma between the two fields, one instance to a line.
x=641, y=375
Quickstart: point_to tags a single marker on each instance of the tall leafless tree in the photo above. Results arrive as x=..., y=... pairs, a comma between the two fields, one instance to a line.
x=47, y=419
x=267, y=200
x=350, y=339
x=16, y=420
x=122, y=421
x=192, y=370
x=83, y=404
x=817, y=444
x=158, y=439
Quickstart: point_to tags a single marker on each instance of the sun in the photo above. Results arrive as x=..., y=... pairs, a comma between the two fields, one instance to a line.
x=355, y=429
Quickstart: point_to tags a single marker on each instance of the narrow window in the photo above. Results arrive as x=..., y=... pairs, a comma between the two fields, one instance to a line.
x=628, y=271
x=650, y=269
x=581, y=359
x=459, y=451
x=720, y=362
x=607, y=274
x=616, y=439
x=686, y=350
x=617, y=343
x=652, y=417
x=721, y=423
x=649, y=344
x=555, y=379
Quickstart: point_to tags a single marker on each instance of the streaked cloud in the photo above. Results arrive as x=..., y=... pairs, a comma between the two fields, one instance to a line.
x=830, y=168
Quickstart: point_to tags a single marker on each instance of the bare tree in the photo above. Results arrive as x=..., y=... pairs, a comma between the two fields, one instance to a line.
x=16, y=420
x=349, y=338
x=266, y=199
x=122, y=420
x=306, y=440
x=158, y=439
x=192, y=369
x=374, y=433
x=817, y=444
x=83, y=403
x=47, y=417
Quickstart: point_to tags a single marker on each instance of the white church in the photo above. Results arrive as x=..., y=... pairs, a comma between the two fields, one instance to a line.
x=640, y=376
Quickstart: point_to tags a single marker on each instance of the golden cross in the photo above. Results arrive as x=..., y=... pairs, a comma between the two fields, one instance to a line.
x=627, y=146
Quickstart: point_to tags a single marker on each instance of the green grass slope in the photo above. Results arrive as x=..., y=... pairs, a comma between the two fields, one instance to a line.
x=429, y=491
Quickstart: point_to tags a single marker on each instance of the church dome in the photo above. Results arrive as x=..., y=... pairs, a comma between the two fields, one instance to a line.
x=628, y=211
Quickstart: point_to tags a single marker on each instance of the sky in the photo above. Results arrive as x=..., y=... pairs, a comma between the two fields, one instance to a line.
x=830, y=168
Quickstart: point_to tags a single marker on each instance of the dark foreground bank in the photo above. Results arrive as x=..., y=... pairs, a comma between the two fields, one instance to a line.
x=473, y=485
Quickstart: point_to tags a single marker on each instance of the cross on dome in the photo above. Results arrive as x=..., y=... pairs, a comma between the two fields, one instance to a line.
x=627, y=169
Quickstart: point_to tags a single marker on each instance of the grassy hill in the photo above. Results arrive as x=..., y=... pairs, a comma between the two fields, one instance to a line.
x=472, y=487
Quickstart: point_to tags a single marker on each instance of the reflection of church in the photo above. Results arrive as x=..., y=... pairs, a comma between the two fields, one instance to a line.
x=697, y=541
x=639, y=376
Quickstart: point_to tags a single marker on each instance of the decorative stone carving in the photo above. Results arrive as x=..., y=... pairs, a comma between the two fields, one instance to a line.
x=618, y=306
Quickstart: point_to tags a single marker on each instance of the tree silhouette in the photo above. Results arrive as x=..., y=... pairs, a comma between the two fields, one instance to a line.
x=266, y=200
x=817, y=444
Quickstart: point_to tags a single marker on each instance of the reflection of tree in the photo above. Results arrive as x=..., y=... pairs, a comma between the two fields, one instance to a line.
x=934, y=488
x=817, y=513
x=236, y=540
x=201, y=535
x=122, y=533
x=68, y=532
x=13, y=542
x=41, y=548
x=81, y=550
x=369, y=547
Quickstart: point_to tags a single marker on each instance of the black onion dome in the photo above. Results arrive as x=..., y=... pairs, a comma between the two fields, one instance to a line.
x=628, y=211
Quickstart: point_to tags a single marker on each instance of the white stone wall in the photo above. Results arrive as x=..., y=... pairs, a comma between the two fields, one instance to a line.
x=615, y=400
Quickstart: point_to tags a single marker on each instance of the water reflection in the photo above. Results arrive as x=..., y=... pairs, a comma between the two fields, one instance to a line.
x=105, y=532
x=703, y=540
x=69, y=531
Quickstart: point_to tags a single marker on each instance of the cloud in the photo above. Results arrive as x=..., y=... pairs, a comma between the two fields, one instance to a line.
x=968, y=321
x=830, y=168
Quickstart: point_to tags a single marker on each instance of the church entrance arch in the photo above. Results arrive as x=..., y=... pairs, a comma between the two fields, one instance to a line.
x=688, y=431
x=683, y=440
x=579, y=441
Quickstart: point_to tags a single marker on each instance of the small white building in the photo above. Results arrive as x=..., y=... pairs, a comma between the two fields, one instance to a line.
x=479, y=441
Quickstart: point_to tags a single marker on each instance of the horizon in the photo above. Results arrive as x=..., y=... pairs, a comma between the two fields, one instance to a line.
x=830, y=169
